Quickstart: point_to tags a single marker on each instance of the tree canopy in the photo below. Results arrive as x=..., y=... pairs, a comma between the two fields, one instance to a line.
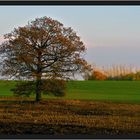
x=43, y=49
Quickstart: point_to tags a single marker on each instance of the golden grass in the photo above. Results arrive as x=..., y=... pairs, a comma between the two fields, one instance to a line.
x=68, y=117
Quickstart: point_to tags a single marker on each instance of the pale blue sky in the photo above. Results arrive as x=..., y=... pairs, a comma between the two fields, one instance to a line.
x=110, y=33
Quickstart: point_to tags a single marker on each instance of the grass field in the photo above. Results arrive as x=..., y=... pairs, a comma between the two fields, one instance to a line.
x=118, y=91
x=114, y=91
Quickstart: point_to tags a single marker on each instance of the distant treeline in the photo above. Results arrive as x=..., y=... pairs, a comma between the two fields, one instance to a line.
x=115, y=72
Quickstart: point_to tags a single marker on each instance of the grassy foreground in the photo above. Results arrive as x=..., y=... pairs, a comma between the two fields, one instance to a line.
x=114, y=91
x=68, y=117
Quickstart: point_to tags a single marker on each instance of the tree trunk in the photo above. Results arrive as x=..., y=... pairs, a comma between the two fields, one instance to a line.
x=38, y=78
x=38, y=89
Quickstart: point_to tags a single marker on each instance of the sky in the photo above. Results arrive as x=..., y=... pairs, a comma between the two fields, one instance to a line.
x=111, y=34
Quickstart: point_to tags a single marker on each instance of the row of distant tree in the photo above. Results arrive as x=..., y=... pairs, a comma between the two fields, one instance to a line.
x=116, y=72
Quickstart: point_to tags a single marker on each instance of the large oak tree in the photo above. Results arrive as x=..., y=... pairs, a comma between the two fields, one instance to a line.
x=44, y=48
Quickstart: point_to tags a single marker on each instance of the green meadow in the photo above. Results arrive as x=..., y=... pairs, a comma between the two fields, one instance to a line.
x=113, y=91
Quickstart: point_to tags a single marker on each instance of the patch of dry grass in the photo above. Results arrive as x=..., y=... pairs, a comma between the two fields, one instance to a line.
x=68, y=117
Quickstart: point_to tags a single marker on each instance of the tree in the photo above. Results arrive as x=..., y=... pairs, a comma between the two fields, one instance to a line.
x=95, y=75
x=44, y=48
x=98, y=75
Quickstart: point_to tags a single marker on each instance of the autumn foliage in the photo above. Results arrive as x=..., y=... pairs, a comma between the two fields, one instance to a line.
x=43, y=49
x=97, y=75
x=113, y=73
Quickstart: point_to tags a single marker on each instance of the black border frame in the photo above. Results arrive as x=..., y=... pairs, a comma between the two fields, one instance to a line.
x=70, y=3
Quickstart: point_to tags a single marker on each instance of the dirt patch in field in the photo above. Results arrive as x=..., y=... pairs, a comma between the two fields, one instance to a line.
x=64, y=117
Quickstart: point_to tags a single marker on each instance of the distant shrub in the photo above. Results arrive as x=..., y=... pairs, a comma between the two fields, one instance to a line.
x=96, y=75
x=129, y=77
